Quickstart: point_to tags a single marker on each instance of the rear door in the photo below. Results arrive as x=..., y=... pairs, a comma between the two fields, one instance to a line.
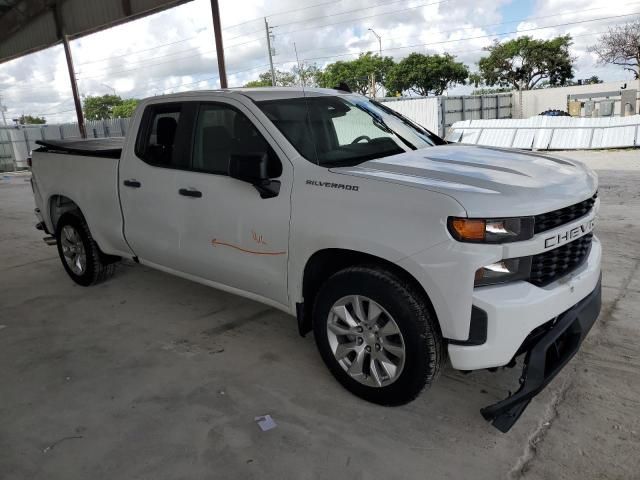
x=148, y=191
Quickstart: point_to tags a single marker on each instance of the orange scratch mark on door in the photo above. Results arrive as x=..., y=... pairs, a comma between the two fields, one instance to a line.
x=215, y=242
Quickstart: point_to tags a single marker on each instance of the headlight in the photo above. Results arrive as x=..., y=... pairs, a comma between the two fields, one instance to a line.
x=493, y=230
x=504, y=271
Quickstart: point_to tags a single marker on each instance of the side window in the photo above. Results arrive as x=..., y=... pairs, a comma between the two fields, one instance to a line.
x=222, y=131
x=158, y=147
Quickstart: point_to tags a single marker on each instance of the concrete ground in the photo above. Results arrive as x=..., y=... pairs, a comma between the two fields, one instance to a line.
x=149, y=376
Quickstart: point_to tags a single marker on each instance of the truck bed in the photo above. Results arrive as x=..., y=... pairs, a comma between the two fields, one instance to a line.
x=88, y=179
x=93, y=147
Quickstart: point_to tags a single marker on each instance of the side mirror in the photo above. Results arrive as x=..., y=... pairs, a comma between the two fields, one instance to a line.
x=250, y=168
x=253, y=168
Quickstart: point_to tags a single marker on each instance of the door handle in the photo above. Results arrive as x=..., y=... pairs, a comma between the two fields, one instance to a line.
x=190, y=193
x=132, y=183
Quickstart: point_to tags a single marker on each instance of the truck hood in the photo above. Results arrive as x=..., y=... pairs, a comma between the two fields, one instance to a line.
x=486, y=181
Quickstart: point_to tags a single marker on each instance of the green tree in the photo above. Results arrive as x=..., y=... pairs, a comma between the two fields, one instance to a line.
x=283, y=79
x=523, y=62
x=427, y=74
x=490, y=91
x=125, y=109
x=592, y=80
x=100, y=107
x=31, y=120
x=476, y=79
x=357, y=73
x=621, y=46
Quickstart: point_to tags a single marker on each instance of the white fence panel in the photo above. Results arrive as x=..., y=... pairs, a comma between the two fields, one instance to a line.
x=20, y=147
x=618, y=137
x=33, y=133
x=70, y=130
x=497, y=137
x=470, y=136
x=423, y=111
x=51, y=132
x=524, y=138
x=555, y=133
x=95, y=129
x=542, y=140
x=571, y=138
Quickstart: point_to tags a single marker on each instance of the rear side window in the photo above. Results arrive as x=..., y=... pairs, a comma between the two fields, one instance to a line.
x=221, y=131
x=157, y=142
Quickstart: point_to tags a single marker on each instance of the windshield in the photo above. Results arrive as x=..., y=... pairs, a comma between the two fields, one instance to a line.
x=345, y=130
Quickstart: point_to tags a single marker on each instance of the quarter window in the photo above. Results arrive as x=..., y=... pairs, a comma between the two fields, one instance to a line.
x=159, y=145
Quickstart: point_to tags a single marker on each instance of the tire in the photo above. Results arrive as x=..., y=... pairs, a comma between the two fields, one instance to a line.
x=408, y=308
x=97, y=266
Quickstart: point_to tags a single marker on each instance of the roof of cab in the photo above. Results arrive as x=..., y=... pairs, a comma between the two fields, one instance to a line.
x=262, y=93
x=279, y=93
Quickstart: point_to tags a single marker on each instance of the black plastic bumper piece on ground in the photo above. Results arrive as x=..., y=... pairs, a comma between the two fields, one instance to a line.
x=551, y=352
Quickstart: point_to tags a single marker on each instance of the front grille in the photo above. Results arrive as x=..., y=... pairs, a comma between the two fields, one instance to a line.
x=547, y=221
x=549, y=266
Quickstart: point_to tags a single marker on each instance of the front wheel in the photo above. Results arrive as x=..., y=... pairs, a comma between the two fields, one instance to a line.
x=376, y=335
x=79, y=253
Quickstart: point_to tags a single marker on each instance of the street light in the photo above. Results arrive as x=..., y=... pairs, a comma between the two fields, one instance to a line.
x=379, y=40
x=373, y=88
x=109, y=87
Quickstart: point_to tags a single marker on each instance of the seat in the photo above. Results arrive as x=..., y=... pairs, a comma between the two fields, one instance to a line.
x=249, y=141
x=216, y=146
x=247, y=138
x=162, y=152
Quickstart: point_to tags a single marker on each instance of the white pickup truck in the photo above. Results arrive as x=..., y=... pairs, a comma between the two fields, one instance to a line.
x=394, y=247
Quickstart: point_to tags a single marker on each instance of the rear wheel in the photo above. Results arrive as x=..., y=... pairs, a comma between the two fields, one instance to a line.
x=79, y=253
x=376, y=334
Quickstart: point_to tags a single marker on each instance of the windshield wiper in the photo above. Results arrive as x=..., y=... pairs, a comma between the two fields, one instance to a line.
x=377, y=119
x=432, y=137
x=380, y=123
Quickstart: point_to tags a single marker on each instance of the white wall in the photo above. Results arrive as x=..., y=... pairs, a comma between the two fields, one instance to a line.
x=535, y=102
x=423, y=111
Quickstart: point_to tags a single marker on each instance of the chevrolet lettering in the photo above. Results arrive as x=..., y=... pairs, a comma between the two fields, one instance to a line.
x=567, y=236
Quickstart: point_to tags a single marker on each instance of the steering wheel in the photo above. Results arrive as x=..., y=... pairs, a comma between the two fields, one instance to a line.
x=361, y=137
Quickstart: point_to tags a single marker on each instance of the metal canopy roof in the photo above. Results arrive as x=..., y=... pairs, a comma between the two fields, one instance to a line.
x=27, y=26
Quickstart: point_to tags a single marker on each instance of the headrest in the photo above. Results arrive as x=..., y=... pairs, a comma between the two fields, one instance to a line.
x=166, y=130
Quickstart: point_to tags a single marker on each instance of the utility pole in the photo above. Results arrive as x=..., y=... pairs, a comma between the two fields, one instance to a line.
x=217, y=32
x=110, y=88
x=268, y=31
x=372, y=84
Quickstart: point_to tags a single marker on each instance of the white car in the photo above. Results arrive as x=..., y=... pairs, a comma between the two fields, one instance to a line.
x=394, y=247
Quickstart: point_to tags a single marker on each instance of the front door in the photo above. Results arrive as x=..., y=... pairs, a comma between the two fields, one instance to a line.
x=229, y=234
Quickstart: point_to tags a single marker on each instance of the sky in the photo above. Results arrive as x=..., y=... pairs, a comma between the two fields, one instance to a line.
x=174, y=50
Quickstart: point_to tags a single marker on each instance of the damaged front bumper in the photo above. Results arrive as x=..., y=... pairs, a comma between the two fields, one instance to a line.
x=546, y=351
